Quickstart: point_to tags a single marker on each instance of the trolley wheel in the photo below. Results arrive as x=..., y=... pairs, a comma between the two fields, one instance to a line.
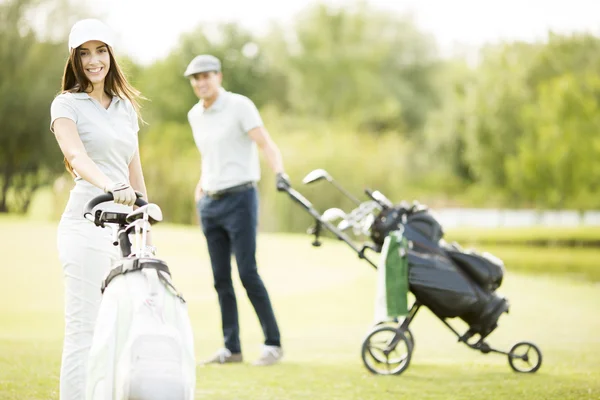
x=408, y=333
x=386, y=351
x=525, y=357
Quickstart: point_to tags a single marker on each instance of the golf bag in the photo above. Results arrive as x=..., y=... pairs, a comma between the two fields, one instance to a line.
x=450, y=281
x=143, y=346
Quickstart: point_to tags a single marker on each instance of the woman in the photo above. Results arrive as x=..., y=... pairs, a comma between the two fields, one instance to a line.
x=95, y=121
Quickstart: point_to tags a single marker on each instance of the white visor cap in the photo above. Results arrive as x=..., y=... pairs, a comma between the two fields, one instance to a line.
x=90, y=29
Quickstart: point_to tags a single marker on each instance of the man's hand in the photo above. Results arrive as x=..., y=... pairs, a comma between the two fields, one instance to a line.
x=282, y=182
x=122, y=193
x=198, y=193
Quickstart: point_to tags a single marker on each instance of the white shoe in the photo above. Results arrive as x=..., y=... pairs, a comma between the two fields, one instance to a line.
x=270, y=355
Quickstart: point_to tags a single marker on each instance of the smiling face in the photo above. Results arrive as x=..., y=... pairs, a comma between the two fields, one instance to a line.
x=95, y=60
x=206, y=84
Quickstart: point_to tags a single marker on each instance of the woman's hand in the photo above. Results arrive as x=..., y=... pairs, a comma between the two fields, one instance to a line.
x=122, y=193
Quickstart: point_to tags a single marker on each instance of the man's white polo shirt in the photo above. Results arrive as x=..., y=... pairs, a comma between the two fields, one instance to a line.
x=229, y=155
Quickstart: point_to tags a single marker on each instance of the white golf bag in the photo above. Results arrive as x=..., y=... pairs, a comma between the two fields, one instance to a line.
x=143, y=346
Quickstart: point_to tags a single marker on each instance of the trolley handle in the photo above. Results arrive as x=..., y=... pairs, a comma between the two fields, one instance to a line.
x=304, y=202
x=103, y=198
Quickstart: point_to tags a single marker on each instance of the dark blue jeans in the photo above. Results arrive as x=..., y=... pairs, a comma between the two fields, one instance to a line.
x=229, y=224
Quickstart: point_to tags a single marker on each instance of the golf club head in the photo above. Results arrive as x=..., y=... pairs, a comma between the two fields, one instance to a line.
x=332, y=214
x=380, y=197
x=153, y=210
x=367, y=222
x=316, y=175
x=343, y=225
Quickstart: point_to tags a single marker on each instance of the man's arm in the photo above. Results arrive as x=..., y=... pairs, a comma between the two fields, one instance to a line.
x=262, y=138
x=273, y=155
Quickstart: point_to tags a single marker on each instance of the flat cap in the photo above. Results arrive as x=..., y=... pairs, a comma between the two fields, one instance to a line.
x=203, y=63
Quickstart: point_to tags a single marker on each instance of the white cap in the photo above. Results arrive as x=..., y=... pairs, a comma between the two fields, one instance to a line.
x=90, y=29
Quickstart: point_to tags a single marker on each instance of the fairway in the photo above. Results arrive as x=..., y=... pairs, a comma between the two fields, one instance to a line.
x=324, y=301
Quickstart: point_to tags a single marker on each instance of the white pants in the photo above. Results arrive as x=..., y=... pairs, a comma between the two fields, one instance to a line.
x=86, y=253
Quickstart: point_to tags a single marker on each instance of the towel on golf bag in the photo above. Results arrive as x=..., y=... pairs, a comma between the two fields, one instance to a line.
x=392, y=280
x=143, y=345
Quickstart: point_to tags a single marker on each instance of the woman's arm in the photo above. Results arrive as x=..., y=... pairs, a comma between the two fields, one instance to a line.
x=70, y=144
x=72, y=148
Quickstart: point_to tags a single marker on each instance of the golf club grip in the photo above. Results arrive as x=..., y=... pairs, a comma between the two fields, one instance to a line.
x=108, y=197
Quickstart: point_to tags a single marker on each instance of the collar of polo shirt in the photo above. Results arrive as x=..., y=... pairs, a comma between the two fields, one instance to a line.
x=219, y=103
x=84, y=96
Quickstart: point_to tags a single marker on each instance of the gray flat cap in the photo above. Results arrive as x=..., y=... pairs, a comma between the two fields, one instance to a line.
x=203, y=63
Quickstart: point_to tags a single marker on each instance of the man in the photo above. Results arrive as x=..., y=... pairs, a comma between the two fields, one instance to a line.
x=227, y=129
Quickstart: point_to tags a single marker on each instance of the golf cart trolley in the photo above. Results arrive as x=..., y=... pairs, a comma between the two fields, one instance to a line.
x=450, y=281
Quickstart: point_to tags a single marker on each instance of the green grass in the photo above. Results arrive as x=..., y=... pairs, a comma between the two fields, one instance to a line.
x=324, y=301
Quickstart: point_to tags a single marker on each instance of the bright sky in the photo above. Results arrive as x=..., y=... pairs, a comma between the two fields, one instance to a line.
x=147, y=29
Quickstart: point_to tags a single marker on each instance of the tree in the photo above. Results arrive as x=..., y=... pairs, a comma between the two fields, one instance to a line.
x=371, y=68
x=30, y=76
x=245, y=71
x=526, y=124
x=556, y=164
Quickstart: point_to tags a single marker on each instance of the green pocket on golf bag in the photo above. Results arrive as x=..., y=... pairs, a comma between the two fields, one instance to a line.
x=392, y=288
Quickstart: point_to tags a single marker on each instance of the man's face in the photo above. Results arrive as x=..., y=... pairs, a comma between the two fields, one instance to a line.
x=206, y=84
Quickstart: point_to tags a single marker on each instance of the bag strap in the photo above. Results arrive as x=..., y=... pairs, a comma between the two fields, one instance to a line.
x=138, y=264
x=168, y=284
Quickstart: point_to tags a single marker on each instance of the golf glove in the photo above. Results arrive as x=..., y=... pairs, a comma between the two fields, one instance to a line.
x=282, y=182
x=122, y=193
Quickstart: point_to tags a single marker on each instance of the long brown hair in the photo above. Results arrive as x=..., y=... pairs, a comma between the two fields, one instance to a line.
x=115, y=84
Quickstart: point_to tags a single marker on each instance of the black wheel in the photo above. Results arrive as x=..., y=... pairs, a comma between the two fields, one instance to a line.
x=407, y=332
x=386, y=351
x=525, y=357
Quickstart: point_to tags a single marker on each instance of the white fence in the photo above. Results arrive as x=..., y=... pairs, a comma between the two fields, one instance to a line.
x=491, y=218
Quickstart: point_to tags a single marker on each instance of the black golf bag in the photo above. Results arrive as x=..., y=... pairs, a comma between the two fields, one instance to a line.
x=451, y=282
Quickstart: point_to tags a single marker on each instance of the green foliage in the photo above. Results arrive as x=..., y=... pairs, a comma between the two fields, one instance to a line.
x=361, y=65
x=523, y=125
x=352, y=158
x=355, y=90
x=171, y=167
x=29, y=79
x=556, y=162
x=245, y=71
